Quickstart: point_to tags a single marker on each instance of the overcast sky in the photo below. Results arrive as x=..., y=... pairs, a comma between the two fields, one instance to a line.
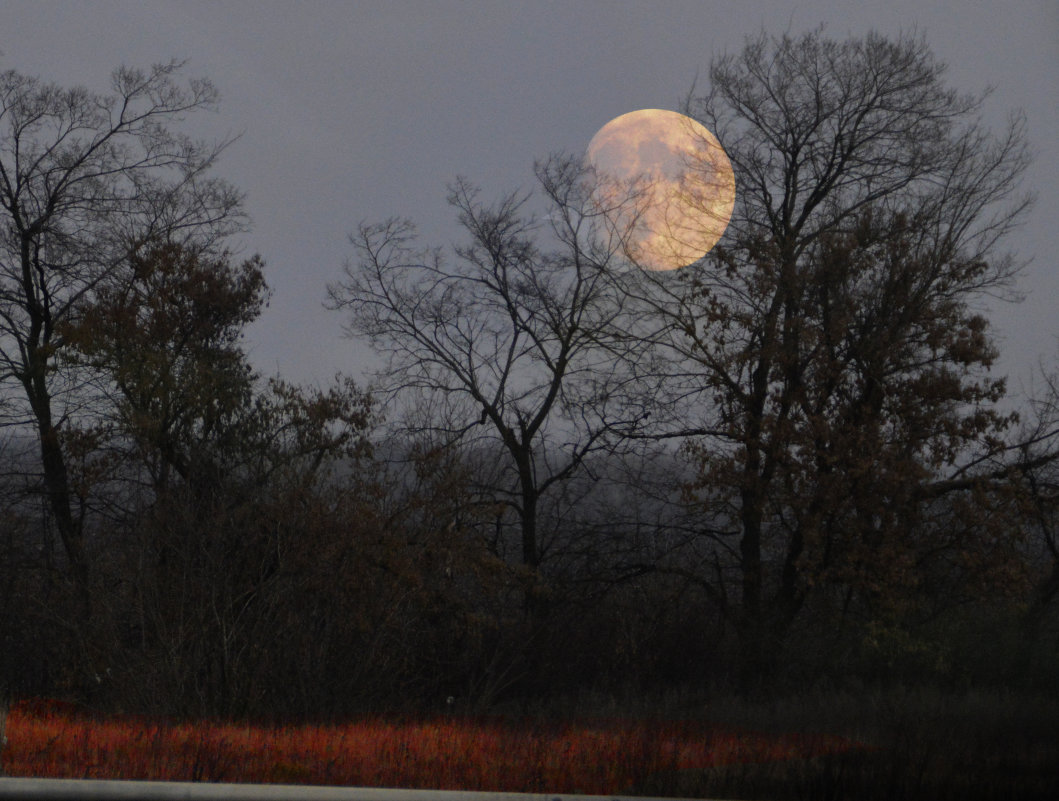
x=358, y=111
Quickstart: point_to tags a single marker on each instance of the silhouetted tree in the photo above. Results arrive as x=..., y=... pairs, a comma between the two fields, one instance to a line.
x=509, y=336
x=224, y=486
x=86, y=178
x=825, y=359
x=1035, y=471
x=164, y=332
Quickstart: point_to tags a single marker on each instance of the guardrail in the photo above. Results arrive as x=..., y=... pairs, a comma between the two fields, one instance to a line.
x=121, y=790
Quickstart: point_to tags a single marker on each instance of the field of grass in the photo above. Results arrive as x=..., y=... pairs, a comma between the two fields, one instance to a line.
x=534, y=754
x=895, y=745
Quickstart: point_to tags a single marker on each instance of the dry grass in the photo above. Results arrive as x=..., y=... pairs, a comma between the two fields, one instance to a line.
x=534, y=754
x=897, y=745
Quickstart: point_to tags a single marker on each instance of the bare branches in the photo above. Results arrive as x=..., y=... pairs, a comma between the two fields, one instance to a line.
x=86, y=180
x=817, y=130
x=513, y=334
x=826, y=355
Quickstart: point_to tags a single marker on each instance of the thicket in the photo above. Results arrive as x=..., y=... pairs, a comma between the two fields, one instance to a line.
x=783, y=470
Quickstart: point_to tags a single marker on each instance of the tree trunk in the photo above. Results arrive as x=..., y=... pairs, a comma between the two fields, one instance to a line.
x=57, y=489
x=56, y=481
x=753, y=645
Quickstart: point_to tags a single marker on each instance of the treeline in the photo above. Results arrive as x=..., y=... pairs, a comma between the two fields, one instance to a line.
x=785, y=466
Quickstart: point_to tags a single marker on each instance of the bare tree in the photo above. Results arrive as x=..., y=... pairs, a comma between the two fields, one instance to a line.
x=826, y=360
x=1037, y=468
x=510, y=335
x=85, y=179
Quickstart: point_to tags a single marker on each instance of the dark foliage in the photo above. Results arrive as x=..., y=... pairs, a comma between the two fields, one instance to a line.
x=784, y=470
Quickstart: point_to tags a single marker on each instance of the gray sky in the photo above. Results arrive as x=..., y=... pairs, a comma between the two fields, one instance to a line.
x=358, y=111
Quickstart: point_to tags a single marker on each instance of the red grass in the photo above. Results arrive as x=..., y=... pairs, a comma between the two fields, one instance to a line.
x=597, y=757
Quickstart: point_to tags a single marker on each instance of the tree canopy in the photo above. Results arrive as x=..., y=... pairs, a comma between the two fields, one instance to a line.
x=789, y=459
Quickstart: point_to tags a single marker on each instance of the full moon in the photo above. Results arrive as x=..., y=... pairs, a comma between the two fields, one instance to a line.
x=665, y=183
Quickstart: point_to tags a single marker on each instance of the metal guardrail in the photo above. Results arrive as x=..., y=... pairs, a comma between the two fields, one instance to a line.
x=122, y=790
